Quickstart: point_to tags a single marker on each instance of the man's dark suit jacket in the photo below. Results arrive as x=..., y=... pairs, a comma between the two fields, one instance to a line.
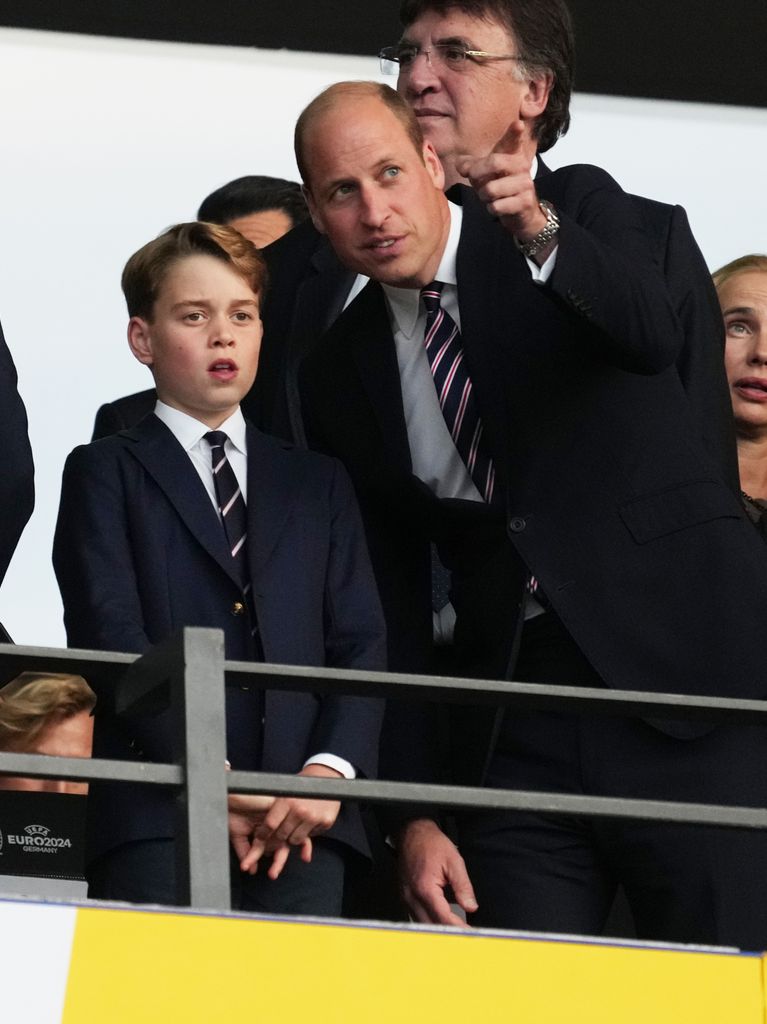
x=112, y=417
x=611, y=499
x=309, y=286
x=139, y=552
x=17, y=491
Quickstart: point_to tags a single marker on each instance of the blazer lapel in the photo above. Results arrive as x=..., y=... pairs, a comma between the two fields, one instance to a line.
x=493, y=280
x=364, y=332
x=318, y=302
x=167, y=463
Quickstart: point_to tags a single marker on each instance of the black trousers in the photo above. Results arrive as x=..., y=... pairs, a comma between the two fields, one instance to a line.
x=144, y=872
x=559, y=874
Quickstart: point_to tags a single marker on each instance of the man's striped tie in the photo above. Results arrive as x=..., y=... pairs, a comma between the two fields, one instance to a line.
x=455, y=391
x=231, y=503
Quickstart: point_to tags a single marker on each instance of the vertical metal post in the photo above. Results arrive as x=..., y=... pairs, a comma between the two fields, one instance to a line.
x=202, y=838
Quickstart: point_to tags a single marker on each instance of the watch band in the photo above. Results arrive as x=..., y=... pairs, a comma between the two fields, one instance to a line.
x=548, y=231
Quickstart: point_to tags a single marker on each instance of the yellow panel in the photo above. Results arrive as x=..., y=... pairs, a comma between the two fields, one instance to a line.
x=130, y=966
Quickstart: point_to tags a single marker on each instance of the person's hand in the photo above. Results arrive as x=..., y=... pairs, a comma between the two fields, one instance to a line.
x=503, y=182
x=428, y=864
x=293, y=820
x=246, y=815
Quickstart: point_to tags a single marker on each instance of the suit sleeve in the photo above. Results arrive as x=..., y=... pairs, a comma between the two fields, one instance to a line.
x=93, y=557
x=606, y=278
x=349, y=726
x=17, y=490
x=701, y=362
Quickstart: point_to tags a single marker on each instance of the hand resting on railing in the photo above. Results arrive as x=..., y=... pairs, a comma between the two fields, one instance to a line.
x=260, y=825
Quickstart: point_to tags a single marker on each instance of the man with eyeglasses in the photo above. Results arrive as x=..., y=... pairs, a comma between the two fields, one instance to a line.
x=459, y=66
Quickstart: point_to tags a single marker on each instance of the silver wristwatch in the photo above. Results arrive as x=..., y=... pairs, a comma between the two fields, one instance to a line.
x=545, y=235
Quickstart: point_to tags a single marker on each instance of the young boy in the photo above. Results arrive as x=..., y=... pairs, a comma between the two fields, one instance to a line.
x=194, y=518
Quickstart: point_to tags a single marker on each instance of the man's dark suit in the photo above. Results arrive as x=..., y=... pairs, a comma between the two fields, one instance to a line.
x=139, y=552
x=17, y=493
x=592, y=317
x=309, y=287
x=112, y=417
x=611, y=499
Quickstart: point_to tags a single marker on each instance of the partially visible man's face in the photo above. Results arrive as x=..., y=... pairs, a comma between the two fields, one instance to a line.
x=264, y=227
x=378, y=199
x=466, y=112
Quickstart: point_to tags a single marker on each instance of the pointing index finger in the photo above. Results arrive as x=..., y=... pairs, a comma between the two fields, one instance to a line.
x=511, y=141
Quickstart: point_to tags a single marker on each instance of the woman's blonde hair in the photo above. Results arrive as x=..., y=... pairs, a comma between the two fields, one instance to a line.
x=754, y=261
x=35, y=699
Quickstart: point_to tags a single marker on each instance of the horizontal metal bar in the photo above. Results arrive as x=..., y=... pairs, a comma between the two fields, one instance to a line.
x=499, y=692
x=468, y=798
x=95, y=666
x=495, y=692
x=84, y=769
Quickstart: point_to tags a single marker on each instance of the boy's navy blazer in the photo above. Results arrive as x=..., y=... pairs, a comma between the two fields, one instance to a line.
x=140, y=552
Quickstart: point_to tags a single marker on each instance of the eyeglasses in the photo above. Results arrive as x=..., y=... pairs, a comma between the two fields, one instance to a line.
x=396, y=60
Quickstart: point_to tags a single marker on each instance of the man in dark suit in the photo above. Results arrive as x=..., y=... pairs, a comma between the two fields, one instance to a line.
x=17, y=491
x=464, y=111
x=589, y=537
x=154, y=533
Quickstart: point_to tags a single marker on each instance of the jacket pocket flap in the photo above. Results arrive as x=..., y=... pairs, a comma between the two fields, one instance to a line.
x=689, y=505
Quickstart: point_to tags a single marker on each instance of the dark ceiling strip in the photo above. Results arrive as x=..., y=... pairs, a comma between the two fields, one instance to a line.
x=686, y=50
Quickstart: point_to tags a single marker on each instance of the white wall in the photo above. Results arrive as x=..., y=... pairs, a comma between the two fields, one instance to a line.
x=105, y=143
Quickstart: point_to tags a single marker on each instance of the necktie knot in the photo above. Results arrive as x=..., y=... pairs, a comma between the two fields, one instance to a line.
x=216, y=438
x=432, y=295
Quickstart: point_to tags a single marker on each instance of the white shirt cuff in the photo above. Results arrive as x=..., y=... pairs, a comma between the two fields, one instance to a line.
x=336, y=763
x=543, y=273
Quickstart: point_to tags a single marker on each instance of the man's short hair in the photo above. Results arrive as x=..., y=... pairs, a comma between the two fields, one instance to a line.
x=34, y=700
x=146, y=270
x=254, y=193
x=545, y=38
x=754, y=261
x=330, y=96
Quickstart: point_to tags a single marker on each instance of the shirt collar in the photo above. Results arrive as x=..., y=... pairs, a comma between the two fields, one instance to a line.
x=404, y=303
x=188, y=431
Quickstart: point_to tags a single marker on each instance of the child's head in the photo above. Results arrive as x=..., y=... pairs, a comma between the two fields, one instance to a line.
x=193, y=297
x=147, y=269
x=46, y=713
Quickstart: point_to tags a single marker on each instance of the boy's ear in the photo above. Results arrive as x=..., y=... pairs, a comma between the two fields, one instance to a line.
x=140, y=340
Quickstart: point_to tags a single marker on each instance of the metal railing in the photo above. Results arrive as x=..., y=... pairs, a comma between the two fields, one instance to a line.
x=189, y=673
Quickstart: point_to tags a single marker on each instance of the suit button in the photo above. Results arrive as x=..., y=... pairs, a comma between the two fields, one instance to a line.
x=238, y=608
x=517, y=524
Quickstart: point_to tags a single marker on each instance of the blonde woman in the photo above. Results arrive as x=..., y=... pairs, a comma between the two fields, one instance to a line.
x=46, y=713
x=742, y=289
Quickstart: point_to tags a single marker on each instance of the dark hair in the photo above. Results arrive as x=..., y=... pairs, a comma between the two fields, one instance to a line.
x=254, y=193
x=146, y=270
x=327, y=99
x=543, y=30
